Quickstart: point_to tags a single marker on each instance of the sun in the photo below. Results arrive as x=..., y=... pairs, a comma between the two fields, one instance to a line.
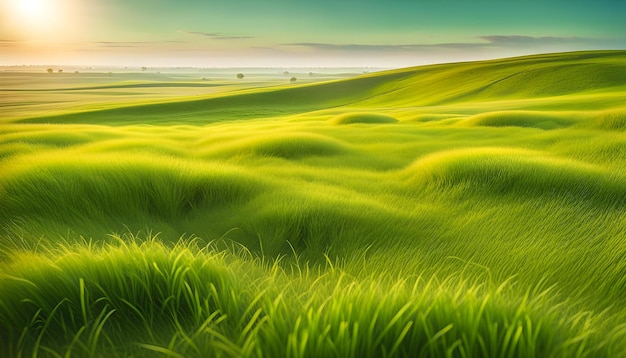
x=38, y=19
x=32, y=11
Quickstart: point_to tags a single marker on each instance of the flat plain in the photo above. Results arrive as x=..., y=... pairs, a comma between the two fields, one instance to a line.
x=463, y=210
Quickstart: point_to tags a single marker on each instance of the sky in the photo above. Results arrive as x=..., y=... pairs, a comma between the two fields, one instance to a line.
x=298, y=33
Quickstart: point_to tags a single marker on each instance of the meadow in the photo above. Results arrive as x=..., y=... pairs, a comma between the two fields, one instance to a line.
x=457, y=210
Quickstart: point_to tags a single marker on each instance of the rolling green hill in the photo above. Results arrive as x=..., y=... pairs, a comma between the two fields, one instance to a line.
x=467, y=210
x=580, y=75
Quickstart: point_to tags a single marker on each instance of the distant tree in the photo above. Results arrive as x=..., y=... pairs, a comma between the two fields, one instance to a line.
x=110, y=74
x=50, y=70
x=286, y=73
x=240, y=75
x=293, y=79
x=76, y=72
x=310, y=74
x=60, y=71
x=144, y=69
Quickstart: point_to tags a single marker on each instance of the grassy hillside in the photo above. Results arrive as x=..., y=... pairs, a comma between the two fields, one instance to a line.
x=470, y=209
x=573, y=76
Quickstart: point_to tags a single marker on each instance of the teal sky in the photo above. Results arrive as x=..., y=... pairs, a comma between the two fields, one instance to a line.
x=225, y=33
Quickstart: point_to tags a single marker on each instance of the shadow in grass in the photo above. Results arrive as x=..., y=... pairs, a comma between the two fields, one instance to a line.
x=363, y=118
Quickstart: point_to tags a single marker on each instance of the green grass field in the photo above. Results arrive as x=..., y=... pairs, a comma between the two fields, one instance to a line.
x=456, y=210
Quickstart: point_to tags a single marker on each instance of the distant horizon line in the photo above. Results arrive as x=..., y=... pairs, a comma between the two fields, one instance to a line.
x=72, y=69
x=196, y=67
x=377, y=67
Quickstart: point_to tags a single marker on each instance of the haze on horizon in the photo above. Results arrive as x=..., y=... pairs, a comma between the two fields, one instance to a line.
x=293, y=33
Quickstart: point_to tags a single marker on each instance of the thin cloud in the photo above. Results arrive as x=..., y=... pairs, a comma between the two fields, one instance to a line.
x=233, y=37
x=553, y=43
x=388, y=48
x=8, y=43
x=132, y=44
x=207, y=34
x=216, y=35
x=475, y=43
x=530, y=40
x=129, y=44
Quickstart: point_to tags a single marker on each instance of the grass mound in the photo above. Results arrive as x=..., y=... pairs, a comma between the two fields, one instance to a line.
x=526, y=119
x=502, y=171
x=282, y=145
x=92, y=187
x=312, y=219
x=363, y=118
x=124, y=298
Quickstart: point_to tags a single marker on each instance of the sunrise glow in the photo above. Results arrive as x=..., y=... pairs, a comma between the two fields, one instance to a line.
x=248, y=33
x=39, y=20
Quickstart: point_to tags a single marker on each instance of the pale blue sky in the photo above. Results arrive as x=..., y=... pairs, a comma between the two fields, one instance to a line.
x=389, y=33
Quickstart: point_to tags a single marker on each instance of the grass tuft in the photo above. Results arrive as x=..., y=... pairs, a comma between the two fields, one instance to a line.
x=526, y=119
x=125, y=298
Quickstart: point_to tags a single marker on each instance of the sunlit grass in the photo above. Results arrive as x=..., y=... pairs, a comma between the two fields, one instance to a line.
x=457, y=210
x=185, y=300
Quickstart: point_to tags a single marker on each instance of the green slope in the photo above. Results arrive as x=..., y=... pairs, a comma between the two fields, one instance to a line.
x=508, y=79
